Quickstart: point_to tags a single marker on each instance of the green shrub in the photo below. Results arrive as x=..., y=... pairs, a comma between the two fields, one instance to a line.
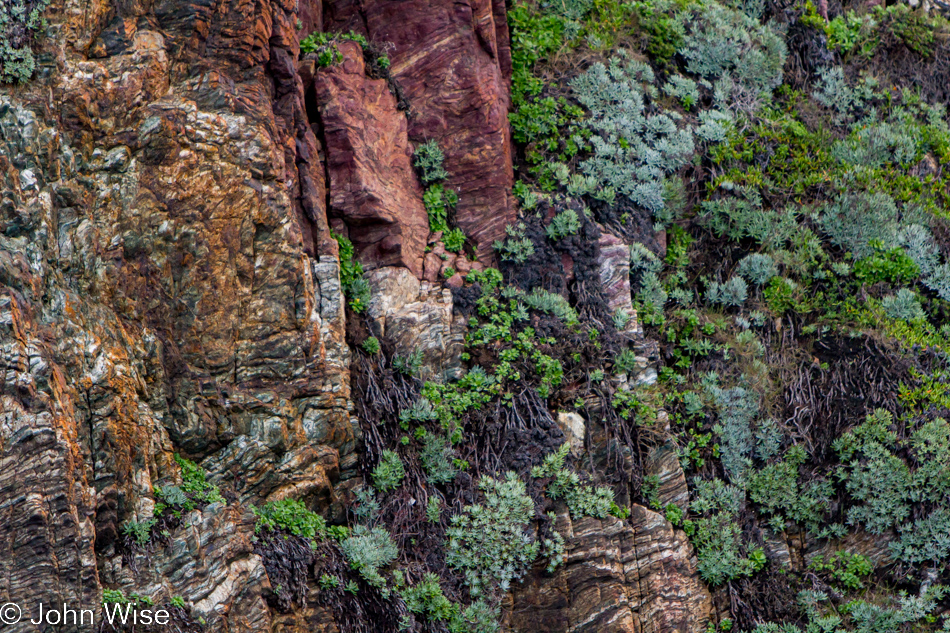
x=438, y=201
x=20, y=22
x=371, y=345
x=683, y=89
x=664, y=34
x=845, y=568
x=487, y=542
x=632, y=151
x=903, y=305
x=651, y=291
x=643, y=259
x=433, y=510
x=729, y=293
x=757, y=268
x=738, y=408
x=742, y=216
x=369, y=549
x=925, y=540
x=717, y=536
x=834, y=92
x=289, y=515
x=437, y=459
x=875, y=476
x=564, y=223
x=722, y=42
x=854, y=221
x=409, y=365
x=141, y=532
x=891, y=265
x=544, y=301
x=428, y=160
x=777, y=491
x=354, y=285
x=919, y=244
x=324, y=45
x=516, y=247
x=534, y=36
x=781, y=295
x=389, y=473
x=582, y=500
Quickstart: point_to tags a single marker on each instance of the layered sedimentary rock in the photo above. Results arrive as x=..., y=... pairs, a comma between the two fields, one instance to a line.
x=417, y=316
x=168, y=284
x=618, y=577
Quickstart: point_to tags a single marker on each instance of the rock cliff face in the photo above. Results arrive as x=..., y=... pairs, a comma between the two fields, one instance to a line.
x=169, y=284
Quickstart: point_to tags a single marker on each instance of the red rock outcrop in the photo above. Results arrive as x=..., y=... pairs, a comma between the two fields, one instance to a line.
x=372, y=184
x=453, y=61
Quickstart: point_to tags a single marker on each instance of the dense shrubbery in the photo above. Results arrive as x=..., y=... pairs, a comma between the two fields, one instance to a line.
x=487, y=542
x=20, y=22
x=804, y=222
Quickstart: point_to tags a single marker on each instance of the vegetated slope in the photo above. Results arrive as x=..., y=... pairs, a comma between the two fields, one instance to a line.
x=797, y=169
x=701, y=389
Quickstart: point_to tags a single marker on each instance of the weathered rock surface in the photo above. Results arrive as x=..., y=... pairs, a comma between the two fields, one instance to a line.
x=663, y=462
x=167, y=283
x=453, y=61
x=619, y=576
x=417, y=316
x=614, y=269
x=372, y=184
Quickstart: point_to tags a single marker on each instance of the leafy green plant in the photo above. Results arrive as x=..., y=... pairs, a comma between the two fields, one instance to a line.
x=141, y=532
x=516, y=247
x=903, y=305
x=729, y=293
x=428, y=160
x=487, y=542
x=410, y=365
x=289, y=515
x=324, y=45
x=20, y=22
x=437, y=458
x=581, y=499
x=632, y=150
x=371, y=345
x=454, y=240
x=564, y=224
x=886, y=264
x=369, y=549
x=845, y=568
x=757, y=268
x=354, y=285
x=390, y=472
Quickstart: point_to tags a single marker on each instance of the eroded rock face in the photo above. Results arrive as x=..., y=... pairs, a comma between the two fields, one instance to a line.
x=453, y=61
x=415, y=316
x=372, y=184
x=614, y=269
x=168, y=284
x=634, y=576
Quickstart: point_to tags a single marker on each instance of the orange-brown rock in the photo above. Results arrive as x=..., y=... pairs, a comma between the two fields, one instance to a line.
x=372, y=184
x=168, y=283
